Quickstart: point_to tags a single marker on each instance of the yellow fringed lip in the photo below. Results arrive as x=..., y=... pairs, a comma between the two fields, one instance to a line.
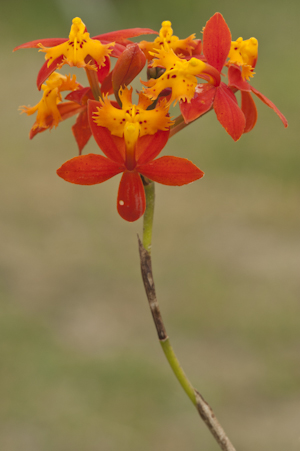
x=47, y=107
x=148, y=122
x=78, y=47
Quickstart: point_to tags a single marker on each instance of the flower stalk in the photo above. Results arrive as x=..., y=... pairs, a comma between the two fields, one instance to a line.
x=204, y=410
x=94, y=83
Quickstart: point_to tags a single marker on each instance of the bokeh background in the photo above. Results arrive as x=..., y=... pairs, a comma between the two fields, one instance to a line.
x=80, y=364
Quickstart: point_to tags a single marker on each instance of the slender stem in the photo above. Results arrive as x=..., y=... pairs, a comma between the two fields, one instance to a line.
x=177, y=369
x=149, y=188
x=94, y=83
x=202, y=406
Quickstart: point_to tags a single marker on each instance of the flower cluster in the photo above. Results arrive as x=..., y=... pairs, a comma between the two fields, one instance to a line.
x=131, y=136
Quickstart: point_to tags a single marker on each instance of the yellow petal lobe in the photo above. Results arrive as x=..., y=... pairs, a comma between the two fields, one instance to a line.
x=166, y=37
x=46, y=108
x=78, y=47
x=244, y=54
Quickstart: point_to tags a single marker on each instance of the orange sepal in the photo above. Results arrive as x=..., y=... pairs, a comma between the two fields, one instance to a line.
x=216, y=41
x=171, y=171
x=89, y=169
x=200, y=104
x=270, y=104
x=228, y=112
x=249, y=109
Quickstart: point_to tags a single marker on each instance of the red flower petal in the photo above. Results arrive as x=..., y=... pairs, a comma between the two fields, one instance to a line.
x=45, y=71
x=131, y=201
x=172, y=171
x=149, y=146
x=89, y=169
x=127, y=67
x=112, y=146
x=80, y=96
x=50, y=42
x=228, y=112
x=69, y=109
x=81, y=130
x=249, y=109
x=103, y=71
x=119, y=35
x=200, y=103
x=270, y=104
x=235, y=79
x=216, y=41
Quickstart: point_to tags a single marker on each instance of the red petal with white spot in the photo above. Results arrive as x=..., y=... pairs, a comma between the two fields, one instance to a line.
x=131, y=201
x=270, y=104
x=89, y=169
x=171, y=171
x=228, y=112
x=112, y=146
x=249, y=109
x=201, y=102
x=216, y=41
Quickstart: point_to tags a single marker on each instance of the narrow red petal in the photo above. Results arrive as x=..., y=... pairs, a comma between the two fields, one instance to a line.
x=69, y=109
x=119, y=35
x=171, y=171
x=270, y=104
x=249, y=109
x=112, y=146
x=131, y=201
x=117, y=49
x=103, y=71
x=80, y=96
x=45, y=71
x=235, y=79
x=88, y=169
x=200, y=103
x=149, y=146
x=81, y=130
x=228, y=112
x=50, y=42
x=216, y=41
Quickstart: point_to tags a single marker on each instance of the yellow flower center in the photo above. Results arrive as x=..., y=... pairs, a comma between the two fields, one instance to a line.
x=78, y=47
x=180, y=75
x=244, y=54
x=132, y=121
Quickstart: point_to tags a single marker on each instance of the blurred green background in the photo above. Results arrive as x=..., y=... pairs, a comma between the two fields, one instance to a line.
x=80, y=364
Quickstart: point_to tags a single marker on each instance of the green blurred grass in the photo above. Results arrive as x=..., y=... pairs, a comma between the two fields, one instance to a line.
x=80, y=364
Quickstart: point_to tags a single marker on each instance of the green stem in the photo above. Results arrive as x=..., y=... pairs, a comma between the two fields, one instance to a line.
x=204, y=409
x=177, y=370
x=154, y=306
x=149, y=188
